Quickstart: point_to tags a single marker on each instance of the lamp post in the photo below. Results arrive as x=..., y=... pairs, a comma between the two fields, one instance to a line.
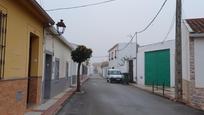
x=60, y=27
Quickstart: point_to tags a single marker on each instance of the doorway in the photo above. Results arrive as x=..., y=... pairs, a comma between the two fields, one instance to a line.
x=32, y=87
x=131, y=70
x=48, y=76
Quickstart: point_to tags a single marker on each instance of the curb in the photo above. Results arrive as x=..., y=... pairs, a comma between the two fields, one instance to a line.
x=59, y=104
x=169, y=98
x=158, y=94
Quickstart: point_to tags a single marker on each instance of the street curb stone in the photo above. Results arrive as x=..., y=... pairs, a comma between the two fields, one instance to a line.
x=168, y=97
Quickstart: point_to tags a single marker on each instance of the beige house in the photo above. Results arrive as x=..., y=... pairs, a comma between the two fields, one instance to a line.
x=22, y=24
x=193, y=61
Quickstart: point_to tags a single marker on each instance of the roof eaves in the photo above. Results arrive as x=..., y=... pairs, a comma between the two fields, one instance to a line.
x=197, y=35
x=61, y=38
x=113, y=47
x=196, y=24
x=42, y=11
x=188, y=26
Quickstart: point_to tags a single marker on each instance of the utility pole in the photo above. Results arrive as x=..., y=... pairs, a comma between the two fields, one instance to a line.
x=136, y=51
x=178, y=57
x=136, y=57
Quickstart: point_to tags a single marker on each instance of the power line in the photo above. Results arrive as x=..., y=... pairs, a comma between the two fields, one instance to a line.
x=153, y=18
x=170, y=28
x=81, y=6
x=126, y=44
x=151, y=22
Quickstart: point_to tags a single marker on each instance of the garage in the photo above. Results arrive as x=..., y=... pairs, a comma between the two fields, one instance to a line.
x=157, y=67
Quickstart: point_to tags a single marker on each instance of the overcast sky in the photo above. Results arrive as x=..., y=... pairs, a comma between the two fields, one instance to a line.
x=100, y=27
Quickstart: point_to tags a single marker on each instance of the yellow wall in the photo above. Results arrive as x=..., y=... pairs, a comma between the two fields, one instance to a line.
x=20, y=23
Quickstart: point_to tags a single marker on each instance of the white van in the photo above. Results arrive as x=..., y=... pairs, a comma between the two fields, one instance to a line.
x=114, y=75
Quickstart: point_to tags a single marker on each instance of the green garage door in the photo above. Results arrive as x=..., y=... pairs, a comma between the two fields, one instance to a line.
x=157, y=67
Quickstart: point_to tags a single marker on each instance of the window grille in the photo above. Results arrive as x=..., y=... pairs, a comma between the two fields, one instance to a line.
x=115, y=53
x=3, y=25
x=57, y=65
x=67, y=70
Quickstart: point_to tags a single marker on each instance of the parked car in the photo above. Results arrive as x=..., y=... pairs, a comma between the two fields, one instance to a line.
x=114, y=75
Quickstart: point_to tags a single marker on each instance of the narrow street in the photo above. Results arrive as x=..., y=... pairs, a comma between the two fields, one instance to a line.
x=101, y=98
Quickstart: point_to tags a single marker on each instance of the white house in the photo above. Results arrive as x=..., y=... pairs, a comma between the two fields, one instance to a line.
x=122, y=56
x=104, y=67
x=85, y=66
x=155, y=64
x=97, y=68
x=59, y=68
x=193, y=61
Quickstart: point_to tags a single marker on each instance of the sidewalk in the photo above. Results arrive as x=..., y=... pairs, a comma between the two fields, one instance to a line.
x=53, y=105
x=168, y=92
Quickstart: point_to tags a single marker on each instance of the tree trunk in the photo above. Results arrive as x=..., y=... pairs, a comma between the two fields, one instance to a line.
x=78, y=78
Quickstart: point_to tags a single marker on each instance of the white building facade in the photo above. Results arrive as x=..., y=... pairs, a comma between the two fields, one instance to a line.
x=59, y=68
x=122, y=56
x=150, y=61
x=193, y=61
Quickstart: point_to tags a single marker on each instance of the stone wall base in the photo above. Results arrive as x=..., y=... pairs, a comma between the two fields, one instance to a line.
x=193, y=96
x=186, y=90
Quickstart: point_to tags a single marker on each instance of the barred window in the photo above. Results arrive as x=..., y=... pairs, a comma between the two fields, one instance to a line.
x=112, y=56
x=67, y=70
x=3, y=22
x=57, y=67
x=115, y=53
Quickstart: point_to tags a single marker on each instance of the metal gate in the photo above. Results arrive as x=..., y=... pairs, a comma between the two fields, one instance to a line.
x=48, y=76
x=3, y=25
x=131, y=70
x=157, y=67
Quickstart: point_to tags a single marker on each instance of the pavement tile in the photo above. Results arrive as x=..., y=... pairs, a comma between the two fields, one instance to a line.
x=54, y=104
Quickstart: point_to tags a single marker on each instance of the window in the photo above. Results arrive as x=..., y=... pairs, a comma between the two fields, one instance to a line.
x=84, y=70
x=3, y=22
x=67, y=70
x=115, y=53
x=109, y=56
x=57, y=63
x=114, y=72
x=112, y=56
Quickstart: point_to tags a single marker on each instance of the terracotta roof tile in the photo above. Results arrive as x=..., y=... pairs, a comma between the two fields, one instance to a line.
x=197, y=25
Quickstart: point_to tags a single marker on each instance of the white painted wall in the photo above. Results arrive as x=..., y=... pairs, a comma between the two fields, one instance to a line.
x=105, y=72
x=154, y=47
x=185, y=52
x=90, y=69
x=199, y=62
x=73, y=68
x=61, y=51
x=129, y=52
x=113, y=62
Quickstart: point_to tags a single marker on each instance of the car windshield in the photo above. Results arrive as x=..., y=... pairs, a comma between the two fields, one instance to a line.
x=114, y=73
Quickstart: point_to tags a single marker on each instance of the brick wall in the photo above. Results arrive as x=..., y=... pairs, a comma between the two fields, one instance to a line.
x=13, y=94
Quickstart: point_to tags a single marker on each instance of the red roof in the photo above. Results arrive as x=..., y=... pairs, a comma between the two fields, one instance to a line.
x=197, y=25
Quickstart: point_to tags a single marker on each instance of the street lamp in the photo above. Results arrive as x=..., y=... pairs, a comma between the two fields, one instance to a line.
x=60, y=27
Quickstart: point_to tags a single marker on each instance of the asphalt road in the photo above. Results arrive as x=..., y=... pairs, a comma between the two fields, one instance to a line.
x=101, y=98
